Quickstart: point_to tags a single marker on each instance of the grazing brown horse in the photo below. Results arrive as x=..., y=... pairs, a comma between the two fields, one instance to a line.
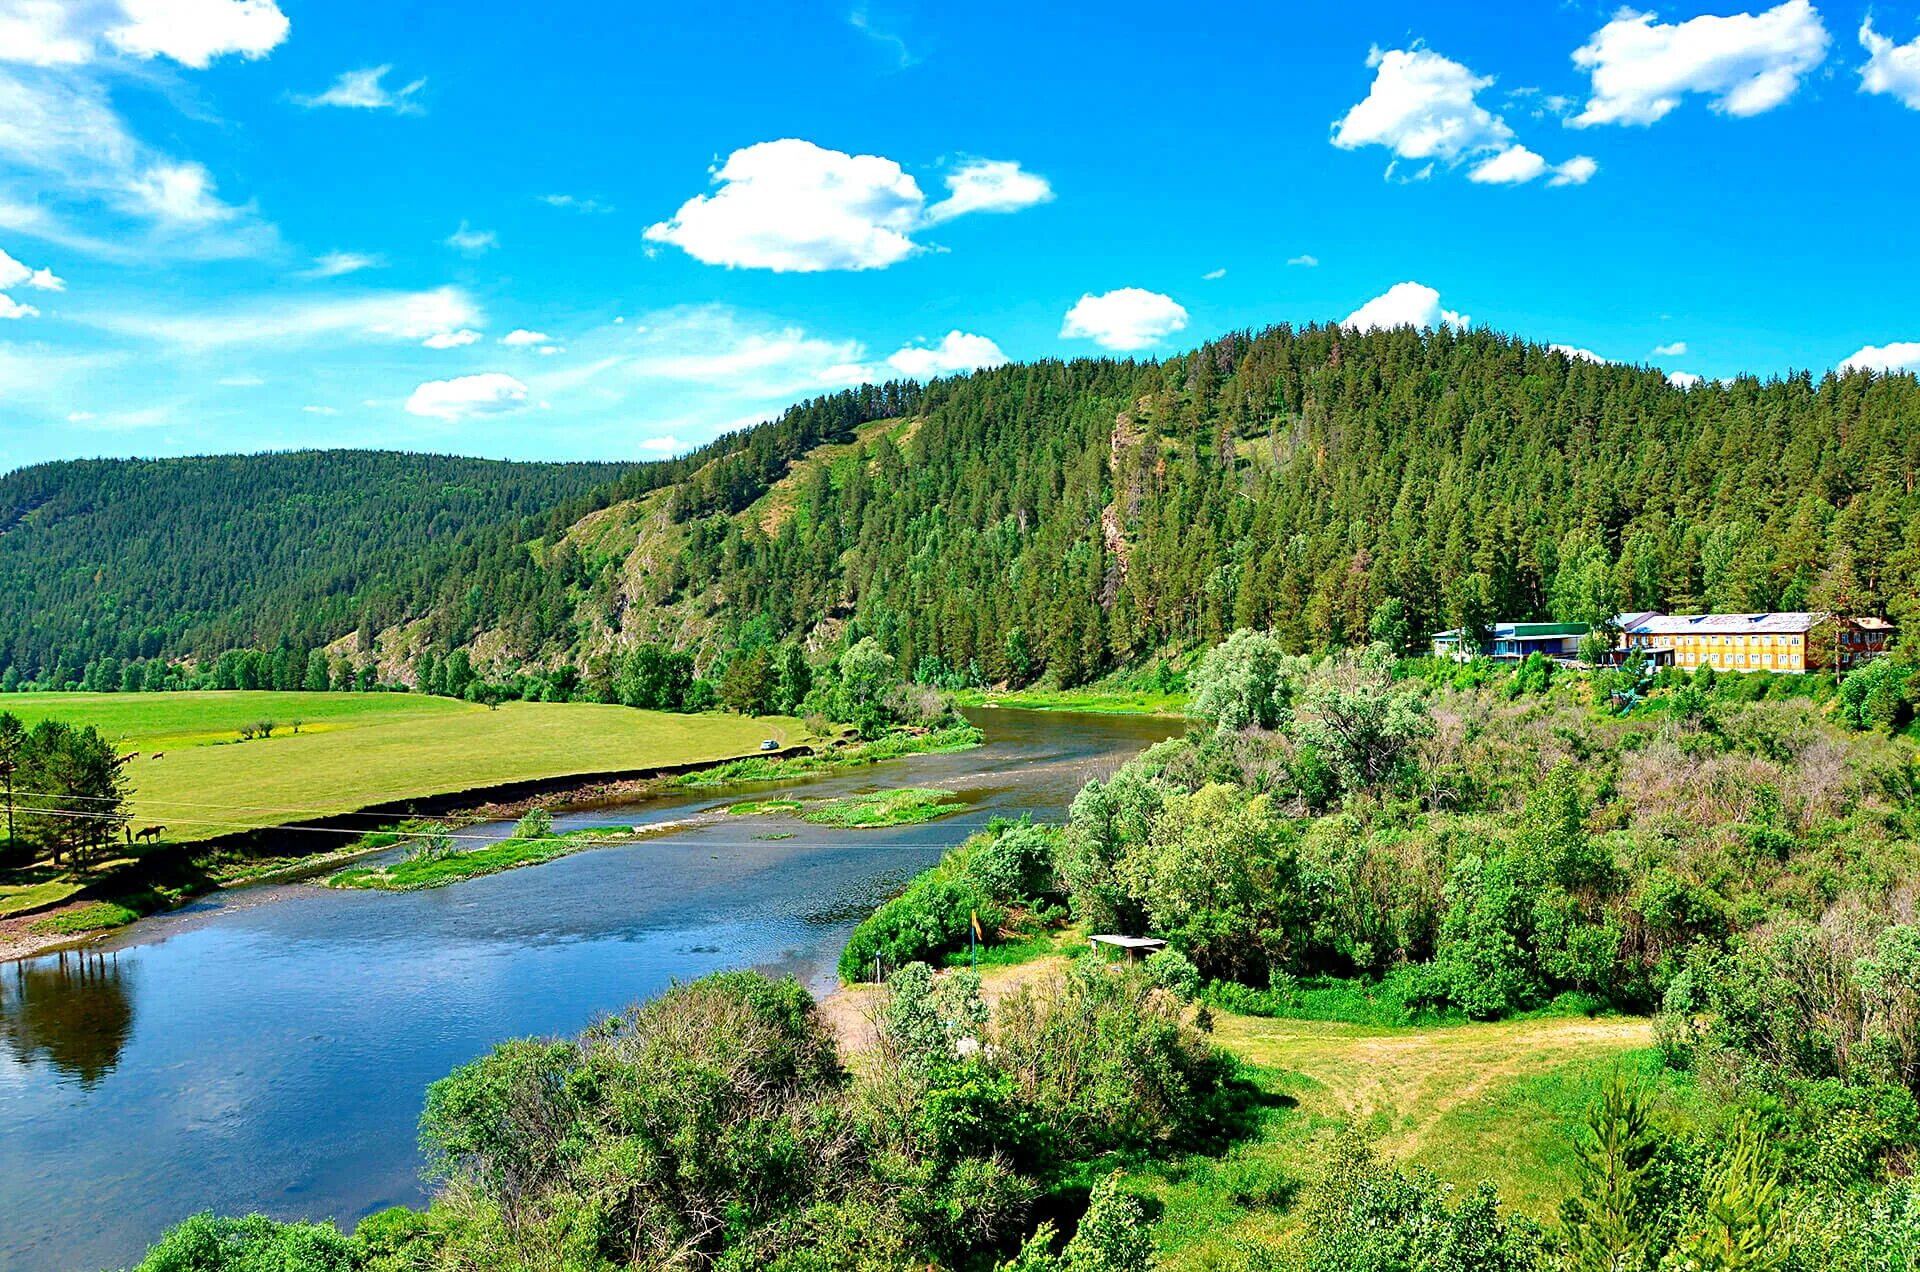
x=148, y=834
x=159, y=755
x=130, y=755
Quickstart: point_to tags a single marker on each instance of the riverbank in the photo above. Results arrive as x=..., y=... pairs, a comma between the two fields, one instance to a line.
x=1096, y=699
x=124, y=891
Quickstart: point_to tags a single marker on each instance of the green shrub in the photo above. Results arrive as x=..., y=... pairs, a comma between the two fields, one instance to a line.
x=1370, y=1216
x=622, y=1147
x=253, y=1244
x=1174, y=972
x=1015, y=865
x=537, y=824
x=933, y=916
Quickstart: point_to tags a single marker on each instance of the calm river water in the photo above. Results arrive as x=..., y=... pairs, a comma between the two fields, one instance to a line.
x=268, y=1049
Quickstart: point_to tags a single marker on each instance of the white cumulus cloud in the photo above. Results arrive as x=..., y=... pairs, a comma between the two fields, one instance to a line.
x=452, y=339
x=1576, y=171
x=1580, y=355
x=662, y=445
x=1307, y=261
x=1744, y=63
x=989, y=185
x=468, y=397
x=1677, y=349
x=14, y=275
x=794, y=207
x=1125, y=319
x=1893, y=69
x=366, y=89
x=1405, y=305
x=195, y=32
x=1516, y=165
x=1901, y=355
x=521, y=337
x=1423, y=106
x=1683, y=379
x=957, y=351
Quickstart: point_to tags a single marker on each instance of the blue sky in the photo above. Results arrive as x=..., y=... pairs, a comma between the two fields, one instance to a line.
x=596, y=230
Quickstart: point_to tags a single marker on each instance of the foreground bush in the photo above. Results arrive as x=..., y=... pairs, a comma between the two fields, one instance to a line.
x=656, y=1133
x=253, y=1244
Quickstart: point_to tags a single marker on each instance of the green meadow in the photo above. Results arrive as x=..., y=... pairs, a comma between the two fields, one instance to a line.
x=337, y=752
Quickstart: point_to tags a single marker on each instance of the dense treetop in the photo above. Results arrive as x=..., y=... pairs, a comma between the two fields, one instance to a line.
x=1056, y=518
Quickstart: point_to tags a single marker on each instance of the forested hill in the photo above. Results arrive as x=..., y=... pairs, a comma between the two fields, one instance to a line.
x=1047, y=518
x=140, y=558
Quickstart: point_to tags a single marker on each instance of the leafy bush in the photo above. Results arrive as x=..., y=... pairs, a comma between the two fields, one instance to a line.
x=1878, y=696
x=1370, y=1216
x=655, y=1133
x=1014, y=865
x=934, y=915
x=1107, y=1061
x=985, y=876
x=537, y=824
x=253, y=1244
x=1247, y=681
x=1174, y=972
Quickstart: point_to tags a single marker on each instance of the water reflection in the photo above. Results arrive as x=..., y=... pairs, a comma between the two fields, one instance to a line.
x=284, y=1035
x=73, y=1011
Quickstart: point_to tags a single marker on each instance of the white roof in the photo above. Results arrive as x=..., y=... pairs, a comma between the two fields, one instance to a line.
x=1727, y=624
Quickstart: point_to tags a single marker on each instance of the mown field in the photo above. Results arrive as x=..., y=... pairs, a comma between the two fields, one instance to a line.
x=355, y=750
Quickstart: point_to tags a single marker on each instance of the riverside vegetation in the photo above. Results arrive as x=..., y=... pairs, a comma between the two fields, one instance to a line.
x=1351, y=839
x=190, y=767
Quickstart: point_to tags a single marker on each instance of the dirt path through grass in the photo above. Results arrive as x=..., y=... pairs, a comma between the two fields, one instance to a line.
x=1477, y=1101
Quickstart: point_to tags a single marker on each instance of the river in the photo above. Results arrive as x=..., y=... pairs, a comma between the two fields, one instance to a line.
x=267, y=1049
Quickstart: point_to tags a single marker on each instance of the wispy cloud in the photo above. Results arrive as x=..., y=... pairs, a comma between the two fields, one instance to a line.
x=336, y=264
x=66, y=151
x=365, y=89
x=390, y=316
x=574, y=203
x=861, y=19
x=471, y=241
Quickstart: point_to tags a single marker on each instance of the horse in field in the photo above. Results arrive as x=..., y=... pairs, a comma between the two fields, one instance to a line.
x=146, y=834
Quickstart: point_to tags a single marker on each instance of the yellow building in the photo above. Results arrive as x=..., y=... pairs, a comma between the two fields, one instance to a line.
x=1787, y=641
